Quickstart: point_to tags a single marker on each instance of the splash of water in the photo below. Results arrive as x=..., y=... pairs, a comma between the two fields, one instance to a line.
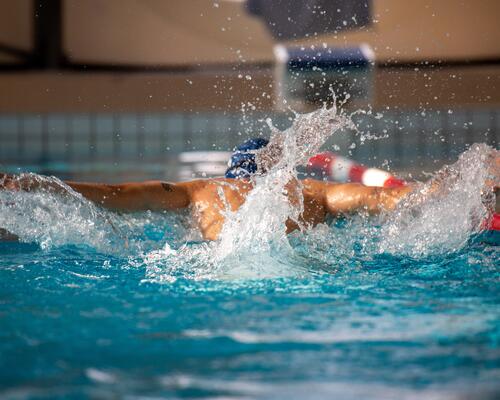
x=441, y=215
x=253, y=241
x=49, y=215
x=49, y=212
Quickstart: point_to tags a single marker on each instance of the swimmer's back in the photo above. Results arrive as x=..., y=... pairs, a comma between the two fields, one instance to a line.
x=209, y=198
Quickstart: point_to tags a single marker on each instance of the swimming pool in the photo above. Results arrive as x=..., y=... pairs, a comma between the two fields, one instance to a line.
x=95, y=304
x=81, y=323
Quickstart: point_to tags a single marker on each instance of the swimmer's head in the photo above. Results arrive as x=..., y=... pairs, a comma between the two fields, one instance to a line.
x=242, y=163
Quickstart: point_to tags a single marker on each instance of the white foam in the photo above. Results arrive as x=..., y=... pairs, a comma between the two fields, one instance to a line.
x=54, y=215
x=440, y=216
x=253, y=242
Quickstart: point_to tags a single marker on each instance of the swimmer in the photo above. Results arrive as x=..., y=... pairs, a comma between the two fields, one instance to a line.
x=203, y=196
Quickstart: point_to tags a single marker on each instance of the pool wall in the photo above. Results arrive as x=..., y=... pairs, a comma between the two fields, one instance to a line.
x=403, y=140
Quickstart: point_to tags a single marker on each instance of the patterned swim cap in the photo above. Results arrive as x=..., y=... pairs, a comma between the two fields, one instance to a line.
x=242, y=163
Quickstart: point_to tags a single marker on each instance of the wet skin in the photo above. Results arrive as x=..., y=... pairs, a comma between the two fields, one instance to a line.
x=206, y=201
x=319, y=199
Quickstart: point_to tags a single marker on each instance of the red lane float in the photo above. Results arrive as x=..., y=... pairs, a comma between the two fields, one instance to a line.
x=342, y=169
x=494, y=223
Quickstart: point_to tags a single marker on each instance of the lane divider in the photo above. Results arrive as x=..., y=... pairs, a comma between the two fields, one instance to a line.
x=342, y=169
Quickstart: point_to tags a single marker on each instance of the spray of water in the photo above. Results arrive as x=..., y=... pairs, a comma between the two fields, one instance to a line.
x=441, y=215
x=50, y=214
x=46, y=211
x=253, y=241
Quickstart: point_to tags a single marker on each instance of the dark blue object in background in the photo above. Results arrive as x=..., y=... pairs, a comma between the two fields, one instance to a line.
x=293, y=19
x=300, y=58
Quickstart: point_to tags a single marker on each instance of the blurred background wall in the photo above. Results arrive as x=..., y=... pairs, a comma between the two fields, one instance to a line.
x=126, y=44
x=157, y=32
x=83, y=81
x=186, y=33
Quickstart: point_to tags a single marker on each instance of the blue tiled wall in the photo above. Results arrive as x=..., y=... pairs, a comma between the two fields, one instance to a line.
x=413, y=137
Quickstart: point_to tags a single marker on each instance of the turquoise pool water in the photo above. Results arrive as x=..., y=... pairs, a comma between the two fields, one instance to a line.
x=95, y=304
x=79, y=323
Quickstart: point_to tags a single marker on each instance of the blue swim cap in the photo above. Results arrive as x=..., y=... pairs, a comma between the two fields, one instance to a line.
x=242, y=163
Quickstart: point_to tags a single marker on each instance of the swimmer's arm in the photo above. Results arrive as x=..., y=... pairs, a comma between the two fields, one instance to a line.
x=349, y=198
x=140, y=196
x=150, y=195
